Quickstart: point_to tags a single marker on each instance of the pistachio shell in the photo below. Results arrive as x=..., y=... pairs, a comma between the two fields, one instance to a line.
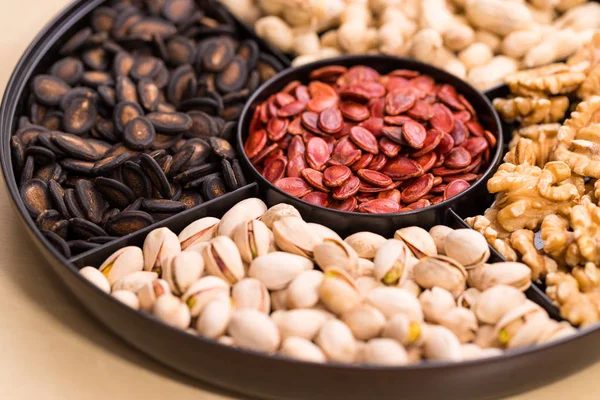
x=96, y=277
x=122, y=263
x=441, y=344
x=441, y=271
x=203, y=291
x=276, y=270
x=251, y=293
x=390, y=262
x=223, y=259
x=439, y=233
x=303, y=291
x=359, y=358
x=501, y=273
x=391, y=301
x=170, y=310
x=496, y=301
x=338, y=292
x=183, y=270
x=556, y=330
x=253, y=239
x=365, y=284
x=302, y=322
x=336, y=253
x=435, y=303
x=411, y=286
x=226, y=340
x=126, y=297
x=365, y=244
x=461, y=322
x=405, y=330
x=302, y=349
x=468, y=298
x=201, y=230
x=277, y=212
x=530, y=332
x=524, y=318
x=134, y=282
x=323, y=232
x=151, y=291
x=365, y=321
x=243, y=211
x=159, y=245
x=251, y=329
x=384, y=352
x=486, y=337
x=418, y=240
x=336, y=341
x=293, y=235
x=279, y=300
x=471, y=351
x=214, y=319
x=364, y=267
x=198, y=247
x=467, y=246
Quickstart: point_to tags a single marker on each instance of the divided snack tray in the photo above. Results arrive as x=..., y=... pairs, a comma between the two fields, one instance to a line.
x=272, y=376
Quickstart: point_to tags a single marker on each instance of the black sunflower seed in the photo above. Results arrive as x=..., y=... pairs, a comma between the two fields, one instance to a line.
x=222, y=148
x=120, y=148
x=203, y=125
x=149, y=94
x=157, y=154
x=36, y=197
x=202, y=152
x=77, y=166
x=111, y=212
x=72, y=205
x=183, y=84
x=148, y=27
x=124, y=112
x=196, y=172
x=96, y=78
x=69, y=69
x=180, y=159
x=116, y=193
x=90, y=200
x=61, y=228
x=228, y=131
x=57, y=194
x=45, y=139
x=96, y=58
x=124, y=21
x=176, y=190
x=233, y=77
x=177, y=11
x=162, y=142
x=53, y=120
x=198, y=182
x=136, y=205
x=139, y=133
x=84, y=229
x=181, y=50
x=109, y=163
x=126, y=90
x=27, y=171
x=162, y=206
x=206, y=104
x=165, y=107
x=254, y=81
x=213, y=187
x=46, y=219
x=229, y=175
x=58, y=243
x=107, y=95
x=80, y=246
x=239, y=173
x=76, y=147
x=170, y=123
x=24, y=121
x=191, y=199
x=48, y=172
x=236, y=97
x=165, y=163
x=29, y=134
x=128, y=222
x=103, y=19
x=157, y=176
x=233, y=112
x=76, y=41
x=76, y=93
x=17, y=152
x=49, y=89
x=123, y=63
x=216, y=53
x=249, y=51
x=146, y=67
x=102, y=239
x=105, y=129
x=80, y=115
x=268, y=66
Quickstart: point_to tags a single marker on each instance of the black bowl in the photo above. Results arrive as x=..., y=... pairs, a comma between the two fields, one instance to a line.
x=346, y=223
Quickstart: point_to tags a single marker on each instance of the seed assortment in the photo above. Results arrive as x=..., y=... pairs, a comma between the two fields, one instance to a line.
x=355, y=140
x=135, y=121
x=265, y=280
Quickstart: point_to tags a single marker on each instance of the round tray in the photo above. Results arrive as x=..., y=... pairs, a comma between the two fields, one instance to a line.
x=257, y=374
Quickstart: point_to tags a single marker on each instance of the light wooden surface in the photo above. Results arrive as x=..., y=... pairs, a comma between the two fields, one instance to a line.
x=50, y=348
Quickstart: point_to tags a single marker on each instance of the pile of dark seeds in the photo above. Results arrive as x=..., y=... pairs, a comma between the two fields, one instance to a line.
x=136, y=121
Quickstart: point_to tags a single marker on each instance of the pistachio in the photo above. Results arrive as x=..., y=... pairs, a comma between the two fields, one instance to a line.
x=323, y=232
x=336, y=341
x=203, y=291
x=391, y=301
x=302, y=349
x=365, y=284
x=556, y=330
x=439, y=233
x=303, y=291
x=243, y=211
x=390, y=262
x=501, y=273
x=294, y=236
x=435, y=303
x=441, y=344
x=96, y=277
x=277, y=212
x=279, y=300
x=253, y=239
x=405, y=330
x=336, y=253
x=197, y=247
x=486, y=337
x=126, y=297
x=418, y=240
x=468, y=298
x=251, y=293
x=134, y=282
x=214, y=319
x=122, y=263
x=223, y=259
x=521, y=326
x=470, y=351
x=467, y=246
x=160, y=244
x=276, y=270
x=251, y=329
x=199, y=231
x=302, y=322
x=364, y=267
x=359, y=358
x=384, y=352
x=410, y=286
x=496, y=301
x=441, y=271
x=226, y=340
x=151, y=291
x=365, y=321
x=183, y=270
x=338, y=292
x=461, y=322
x=170, y=310
x=365, y=244
x=415, y=354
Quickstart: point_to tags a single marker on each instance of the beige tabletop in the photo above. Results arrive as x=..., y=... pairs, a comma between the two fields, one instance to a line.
x=50, y=348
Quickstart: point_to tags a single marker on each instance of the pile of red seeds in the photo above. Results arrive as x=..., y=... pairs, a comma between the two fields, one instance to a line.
x=355, y=140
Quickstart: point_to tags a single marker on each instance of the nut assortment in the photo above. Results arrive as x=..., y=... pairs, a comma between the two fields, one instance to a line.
x=354, y=140
x=264, y=279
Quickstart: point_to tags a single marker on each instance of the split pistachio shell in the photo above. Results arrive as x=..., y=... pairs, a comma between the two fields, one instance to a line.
x=302, y=349
x=410, y=286
x=336, y=253
x=365, y=321
x=390, y=262
x=471, y=351
x=170, y=310
x=365, y=244
x=436, y=302
x=226, y=340
x=556, y=330
x=418, y=240
x=391, y=301
x=439, y=233
x=134, y=282
x=214, y=319
x=122, y=263
x=199, y=231
x=359, y=358
x=530, y=332
x=151, y=291
x=251, y=293
x=486, y=337
x=126, y=297
x=159, y=246
x=461, y=322
x=277, y=212
x=96, y=277
x=365, y=284
x=441, y=271
x=338, y=292
x=384, y=352
x=336, y=341
x=254, y=330
x=302, y=322
x=276, y=270
x=293, y=235
x=441, y=344
x=496, y=301
x=404, y=330
x=365, y=267
x=183, y=270
x=243, y=211
x=521, y=326
x=279, y=300
x=501, y=273
x=253, y=239
x=467, y=246
x=223, y=259
x=303, y=291
x=415, y=354
x=468, y=298
x=197, y=247
x=323, y=232
x=203, y=291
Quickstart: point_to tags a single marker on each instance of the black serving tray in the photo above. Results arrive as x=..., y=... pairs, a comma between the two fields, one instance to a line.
x=258, y=374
